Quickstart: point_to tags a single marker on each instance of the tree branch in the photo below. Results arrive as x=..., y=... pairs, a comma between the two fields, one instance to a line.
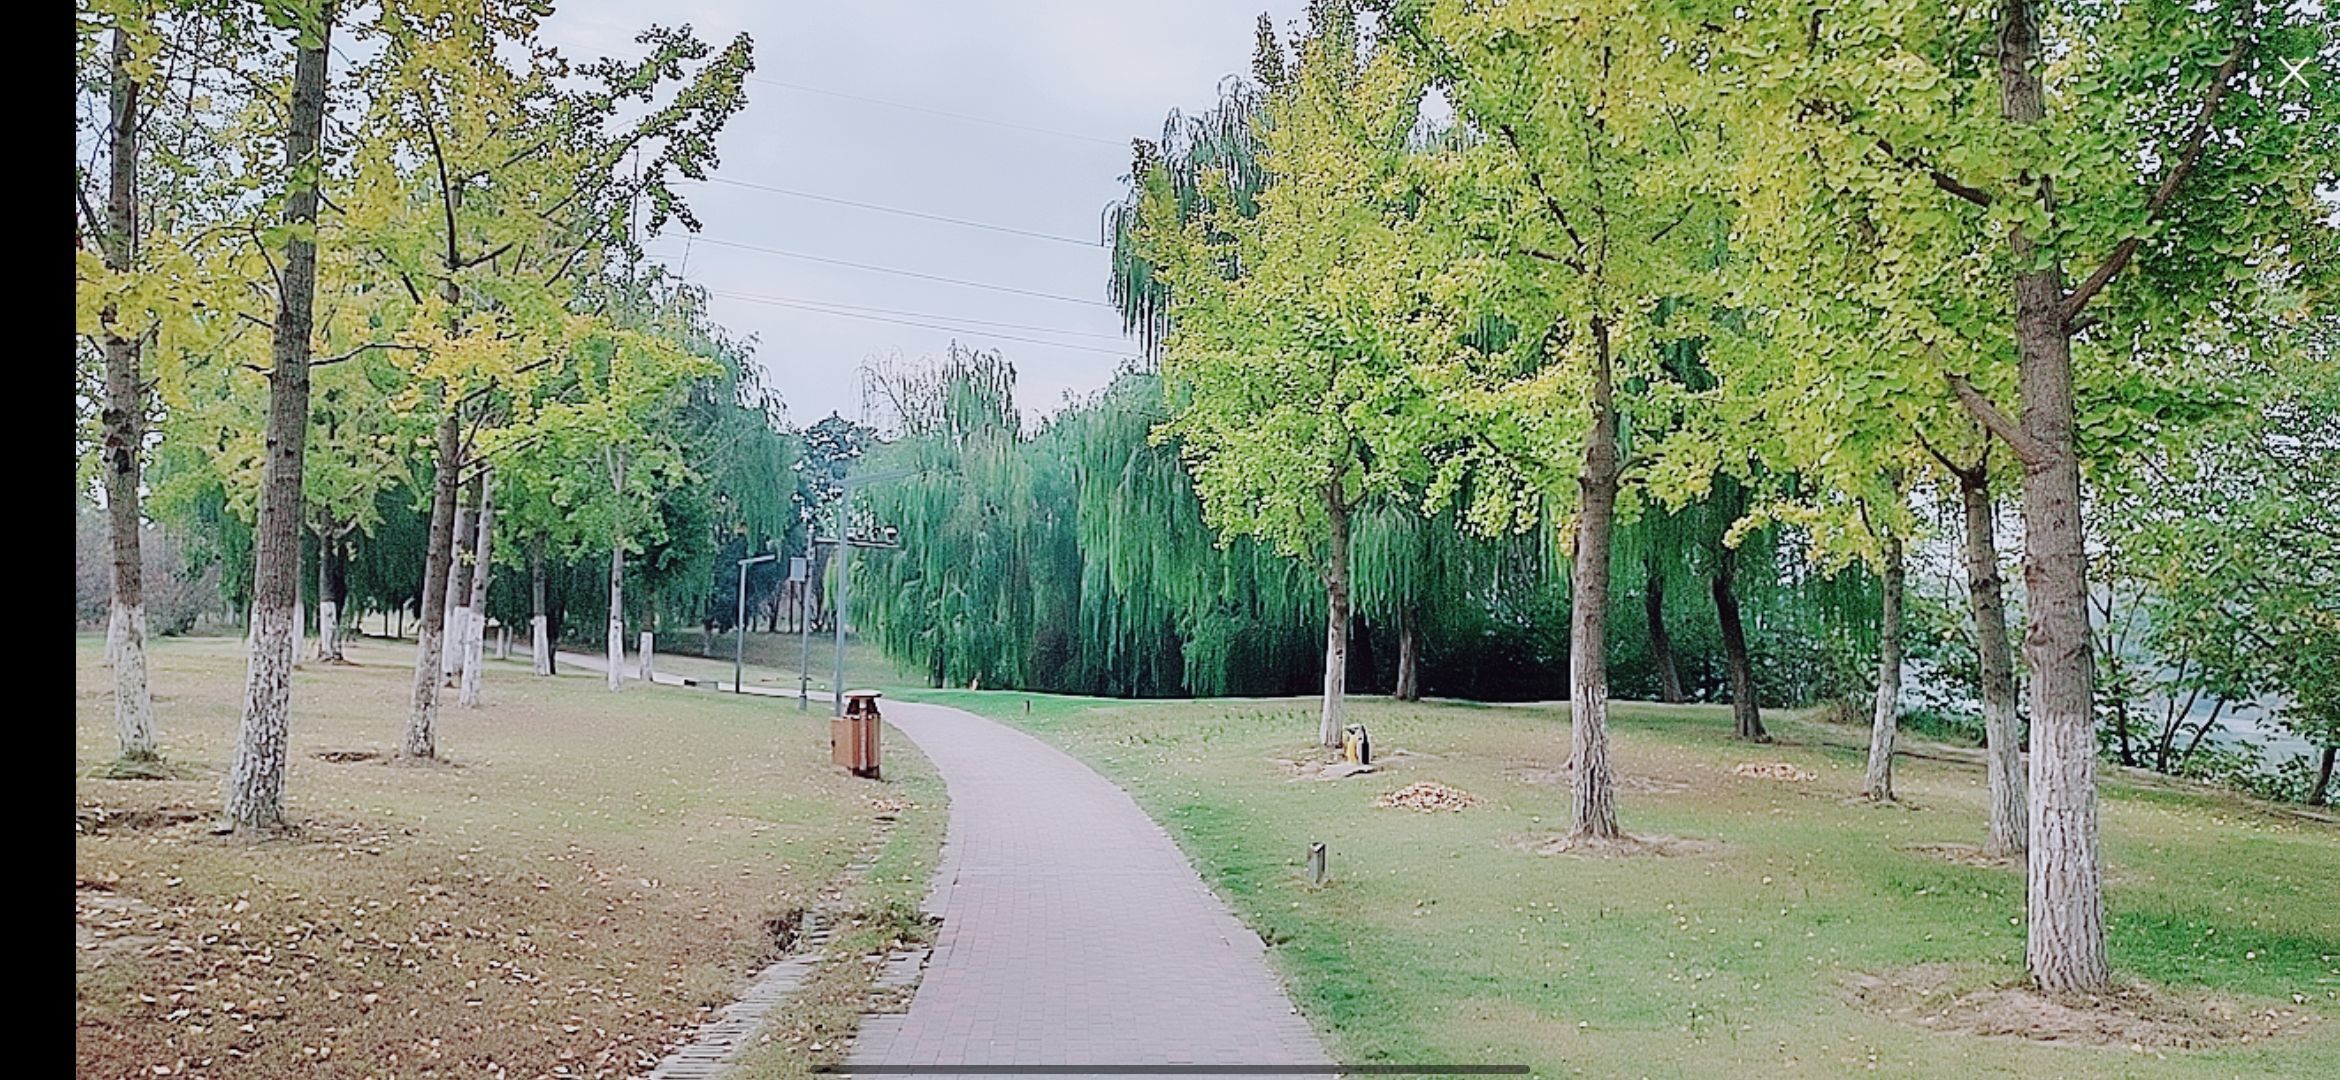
x=446, y=193
x=369, y=345
x=1552, y=205
x=2027, y=449
x=471, y=262
x=2189, y=152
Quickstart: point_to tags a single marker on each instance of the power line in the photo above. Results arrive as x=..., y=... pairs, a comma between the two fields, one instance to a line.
x=696, y=239
x=922, y=325
x=921, y=214
x=968, y=117
x=837, y=307
x=927, y=109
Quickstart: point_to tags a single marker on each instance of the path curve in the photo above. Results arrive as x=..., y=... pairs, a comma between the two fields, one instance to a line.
x=1074, y=932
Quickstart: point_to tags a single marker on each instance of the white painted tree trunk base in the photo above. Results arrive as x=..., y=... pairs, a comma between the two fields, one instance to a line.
x=255, y=797
x=133, y=698
x=540, y=644
x=422, y=720
x=328, y=630
x=451, y=651
x=472, y=648
x=648, y=667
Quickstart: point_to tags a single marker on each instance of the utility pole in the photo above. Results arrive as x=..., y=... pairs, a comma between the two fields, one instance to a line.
x=801, y=572
x=739, y=628
x=845, y=545
x=844, y=574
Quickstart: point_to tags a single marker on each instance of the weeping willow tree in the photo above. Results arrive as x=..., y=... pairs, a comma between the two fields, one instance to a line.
x=1213, y=155
x=1070, y=557
x=957, y=598
x=1424, y=576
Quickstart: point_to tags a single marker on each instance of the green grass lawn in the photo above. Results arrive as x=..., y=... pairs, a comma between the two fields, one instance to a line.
x=583, y=879
x=773, y=660
x=1444, y=938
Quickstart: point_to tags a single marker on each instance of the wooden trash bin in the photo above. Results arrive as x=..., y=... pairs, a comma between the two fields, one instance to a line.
x=853, y=737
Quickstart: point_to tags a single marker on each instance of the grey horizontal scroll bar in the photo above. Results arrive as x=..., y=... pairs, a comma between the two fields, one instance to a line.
x=1177, y=1070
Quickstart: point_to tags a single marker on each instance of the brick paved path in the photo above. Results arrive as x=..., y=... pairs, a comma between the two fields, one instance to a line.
x=1074, y=932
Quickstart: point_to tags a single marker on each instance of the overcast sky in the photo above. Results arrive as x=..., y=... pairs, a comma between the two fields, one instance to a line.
x=1093, y=73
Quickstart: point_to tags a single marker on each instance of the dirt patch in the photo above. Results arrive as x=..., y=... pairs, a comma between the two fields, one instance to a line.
x=1652, y=844
x=149, y=769
x=781, y=929
x=1772, y=770
x=1945, y=997
x=345, y=757
x=106, y=923
x=1562, y=776
x=1327, y=763
x=92, y=819
x=1963, y=855
x=1428, y=795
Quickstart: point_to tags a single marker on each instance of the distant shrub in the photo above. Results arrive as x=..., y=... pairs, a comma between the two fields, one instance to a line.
x=177, y=595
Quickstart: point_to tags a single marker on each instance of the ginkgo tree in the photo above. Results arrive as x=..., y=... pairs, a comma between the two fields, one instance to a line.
x=1290, y=328
x=1581, y=229
x=494, y=190
x=2118, y=172
x=600, y=451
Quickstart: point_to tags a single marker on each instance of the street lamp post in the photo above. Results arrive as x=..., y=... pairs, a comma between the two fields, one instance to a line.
x=739, y=628
x=845, y=546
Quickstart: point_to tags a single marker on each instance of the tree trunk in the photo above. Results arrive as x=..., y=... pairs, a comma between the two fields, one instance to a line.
x=255, y=794
x=124, y=420
x=1336, y=619
x=2003, y=749
x=430, y=628
x=2065, y=949
x=1409, y=657
x=1661, y=644
x=299, y=610
x=540, y=641
x=617, y=575
x=1593, y=811
x=1746, y=710
x=1885, y=719
x=459, y=584
x=2320, y=792
x=617, y=613
x=337, y=587
x=328, y=611
x=475, y=620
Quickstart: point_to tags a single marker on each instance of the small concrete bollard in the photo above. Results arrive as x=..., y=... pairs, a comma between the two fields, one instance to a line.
x=649, y=665
x=1318, y=871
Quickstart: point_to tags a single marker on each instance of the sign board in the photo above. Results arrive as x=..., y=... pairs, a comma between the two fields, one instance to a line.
x=796, y=568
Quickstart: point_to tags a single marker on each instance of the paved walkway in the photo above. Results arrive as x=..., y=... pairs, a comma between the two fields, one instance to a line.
x=1074, y=932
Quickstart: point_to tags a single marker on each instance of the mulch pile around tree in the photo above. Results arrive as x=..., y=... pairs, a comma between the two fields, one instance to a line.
x=1428, y=795
x=1770, y=770
x=1941, y=997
